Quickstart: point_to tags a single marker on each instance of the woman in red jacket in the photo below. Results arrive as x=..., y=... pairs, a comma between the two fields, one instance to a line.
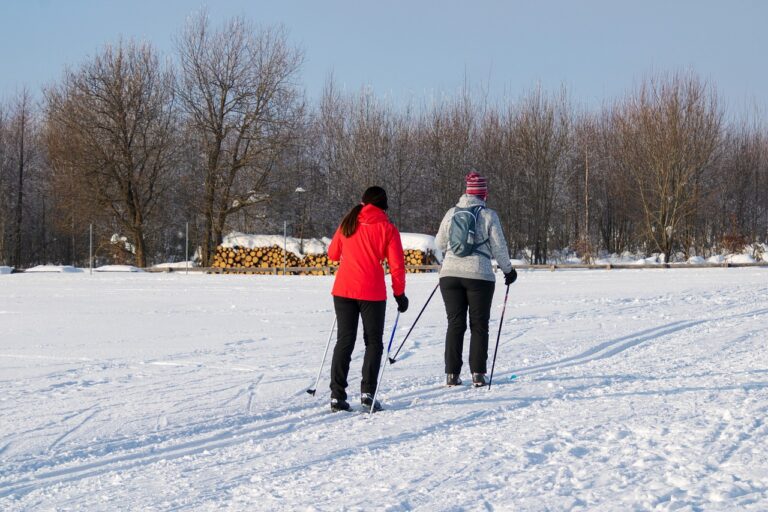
x=364, y=239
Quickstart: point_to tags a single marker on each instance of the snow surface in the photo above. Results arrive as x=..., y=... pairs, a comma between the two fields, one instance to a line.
x=55, y=268
x=637, y=389
x=117, y=268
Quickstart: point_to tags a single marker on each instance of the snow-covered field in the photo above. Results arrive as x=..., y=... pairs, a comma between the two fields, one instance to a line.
x=636, y=390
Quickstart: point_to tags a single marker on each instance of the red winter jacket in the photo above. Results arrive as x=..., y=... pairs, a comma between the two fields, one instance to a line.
x=360, y=275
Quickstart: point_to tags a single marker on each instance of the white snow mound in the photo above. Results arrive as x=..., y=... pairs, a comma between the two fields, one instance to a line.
x=178, y=264
x=54, y=268
x=740, y=258
x=291, y=244
x=118, y=268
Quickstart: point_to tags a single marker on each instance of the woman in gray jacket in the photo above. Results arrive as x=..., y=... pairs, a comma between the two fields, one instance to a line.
x=469, y=236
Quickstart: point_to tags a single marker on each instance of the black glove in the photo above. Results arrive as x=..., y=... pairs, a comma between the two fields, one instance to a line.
x=510, y=277
x=402, y=303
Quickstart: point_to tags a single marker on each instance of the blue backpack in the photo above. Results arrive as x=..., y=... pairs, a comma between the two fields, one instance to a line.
x=461, y=235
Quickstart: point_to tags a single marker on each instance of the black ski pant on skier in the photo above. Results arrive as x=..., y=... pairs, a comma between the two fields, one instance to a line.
x=461, y=295
x=348, y=311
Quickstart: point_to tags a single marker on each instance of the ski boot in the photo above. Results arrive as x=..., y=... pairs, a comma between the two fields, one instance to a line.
x=479, y=380
x=452, y=379
x=339, y=404
x=366, y=399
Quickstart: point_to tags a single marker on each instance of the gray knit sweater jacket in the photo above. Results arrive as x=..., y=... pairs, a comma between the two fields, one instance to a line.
x=475, y=266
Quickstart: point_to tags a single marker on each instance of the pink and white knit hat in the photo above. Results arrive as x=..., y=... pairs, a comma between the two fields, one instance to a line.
x=477, y=186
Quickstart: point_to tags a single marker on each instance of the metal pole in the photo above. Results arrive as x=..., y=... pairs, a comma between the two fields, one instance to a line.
x=90, y=248
x=285, y=246
x=384, y=366
x=498, y=337
x=311, y=391
x=393, y=359
x=186, y=244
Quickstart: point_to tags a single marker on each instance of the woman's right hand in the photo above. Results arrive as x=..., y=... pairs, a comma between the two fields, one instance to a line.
x=402, y=303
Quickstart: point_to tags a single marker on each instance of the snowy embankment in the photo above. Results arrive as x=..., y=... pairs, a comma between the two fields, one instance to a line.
x=636, y=390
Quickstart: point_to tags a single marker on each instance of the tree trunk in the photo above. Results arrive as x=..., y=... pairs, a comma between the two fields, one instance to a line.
x=206, y=249
x=140, y=247
x=20, y=195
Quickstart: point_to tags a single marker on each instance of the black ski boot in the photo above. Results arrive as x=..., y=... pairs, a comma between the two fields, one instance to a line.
x=452, y=379
x=366, y=399
x=478, y=380
x=339, y=404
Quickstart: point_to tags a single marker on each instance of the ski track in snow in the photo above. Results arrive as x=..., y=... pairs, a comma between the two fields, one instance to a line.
x=635, y=390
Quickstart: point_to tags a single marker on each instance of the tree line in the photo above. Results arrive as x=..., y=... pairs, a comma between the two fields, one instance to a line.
x=220, y=136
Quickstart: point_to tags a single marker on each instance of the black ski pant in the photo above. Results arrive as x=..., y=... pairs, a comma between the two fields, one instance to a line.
x=462, y=294
x=347, y=313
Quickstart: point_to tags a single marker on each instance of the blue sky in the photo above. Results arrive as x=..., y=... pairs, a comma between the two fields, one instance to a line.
x=418, y=49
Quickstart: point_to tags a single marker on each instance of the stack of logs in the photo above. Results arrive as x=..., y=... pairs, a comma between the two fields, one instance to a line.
x=272, y=258
x=417, y=257
x=268, y=258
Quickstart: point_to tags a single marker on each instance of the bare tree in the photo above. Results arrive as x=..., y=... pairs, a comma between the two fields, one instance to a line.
x=669, y=135
x=330, y=146
x=541, y=136
x=5, y=188
x=110, y=128
x=497, y=159
x=18, y=156
x=614, y=202
x=740, y=184
x=406, y=173
x=447, y=142
x=21, y=130
x=239, y=97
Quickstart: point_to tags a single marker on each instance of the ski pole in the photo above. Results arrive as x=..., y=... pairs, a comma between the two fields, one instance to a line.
x=501, y=322
x=311, y=391
x=381, y=376
x=393, y=359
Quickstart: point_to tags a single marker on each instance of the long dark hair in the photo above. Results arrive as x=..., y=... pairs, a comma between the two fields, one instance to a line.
x=376, y=196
